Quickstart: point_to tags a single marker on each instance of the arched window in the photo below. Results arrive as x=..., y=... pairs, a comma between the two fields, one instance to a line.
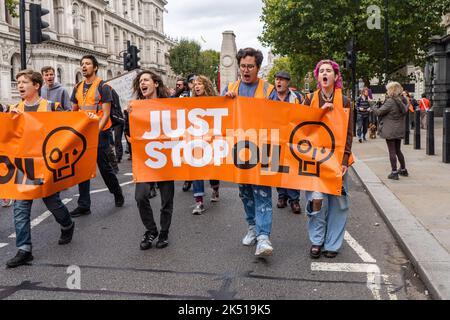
x=15, y=66
x=107, y=37
x=57, y=15
x=124, y=37
x=94, y=25
x=116, y=41
x=109, y=75
x=76, y=21
x=59, y=75
x=78, y=77
x=124, y=7
x=140, y=12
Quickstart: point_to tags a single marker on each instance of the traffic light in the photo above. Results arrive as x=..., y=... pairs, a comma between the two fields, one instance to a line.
x=36, y=24
x=127, y=61
x=134, y=57
x=350, y=56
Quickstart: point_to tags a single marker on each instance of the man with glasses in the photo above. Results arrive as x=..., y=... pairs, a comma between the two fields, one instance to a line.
x=257, y=199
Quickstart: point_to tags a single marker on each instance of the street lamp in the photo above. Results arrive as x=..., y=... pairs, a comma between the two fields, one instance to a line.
x=386, y=39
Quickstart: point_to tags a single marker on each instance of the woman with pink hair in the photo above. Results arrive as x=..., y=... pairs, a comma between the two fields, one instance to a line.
x=328, y=213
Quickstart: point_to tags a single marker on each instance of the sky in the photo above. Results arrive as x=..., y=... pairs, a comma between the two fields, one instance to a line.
x=205, y=20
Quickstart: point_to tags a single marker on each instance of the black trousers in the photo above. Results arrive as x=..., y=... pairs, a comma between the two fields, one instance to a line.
x=142, y=196
x=395, y=153
x=106, y=170
x=118, y=134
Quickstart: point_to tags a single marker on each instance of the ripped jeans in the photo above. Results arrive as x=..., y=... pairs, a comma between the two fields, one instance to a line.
x=326, y=226
x=258, y=207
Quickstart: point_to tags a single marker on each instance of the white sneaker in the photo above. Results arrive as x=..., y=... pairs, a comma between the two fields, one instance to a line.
x=6, y=202
x=215, y=196
x=263, y=247
x=199, y=209
x=250, y=237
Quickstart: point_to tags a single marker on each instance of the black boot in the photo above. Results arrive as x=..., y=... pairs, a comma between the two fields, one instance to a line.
x=163, y=241
x=119, y=199
x=22, y=257
x=80, y=212
x=66, y=235
x=147, y=240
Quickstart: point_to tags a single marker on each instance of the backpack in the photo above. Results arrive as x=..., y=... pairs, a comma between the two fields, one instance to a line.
x=116, y=114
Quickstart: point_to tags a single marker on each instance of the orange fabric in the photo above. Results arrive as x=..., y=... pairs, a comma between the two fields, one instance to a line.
x=424, y=104
x=338, y=102
x=259, y=93
x=242, y=140
x=91, y=102
x=44, y=153
x=43, y=106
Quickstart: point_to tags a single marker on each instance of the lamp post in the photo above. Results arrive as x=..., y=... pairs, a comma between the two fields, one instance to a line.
x=386, y=39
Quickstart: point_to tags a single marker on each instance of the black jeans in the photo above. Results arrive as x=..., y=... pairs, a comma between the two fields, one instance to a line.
x=118, y=134
x=106, y=170
x=142, y=196
x=362, y=125
x=395, y=152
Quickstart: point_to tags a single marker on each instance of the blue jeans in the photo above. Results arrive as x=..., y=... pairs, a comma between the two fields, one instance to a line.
x=257, y=202
x=327, y=226
x=291, y=194
x=22, y=214
x=199, y=187
x=362, y=124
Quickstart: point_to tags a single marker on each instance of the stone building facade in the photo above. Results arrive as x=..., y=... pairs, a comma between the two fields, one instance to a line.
x=79, y=27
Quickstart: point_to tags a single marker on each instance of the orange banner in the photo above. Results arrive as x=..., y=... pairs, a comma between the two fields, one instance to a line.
x=42, y=153
x=242, y=140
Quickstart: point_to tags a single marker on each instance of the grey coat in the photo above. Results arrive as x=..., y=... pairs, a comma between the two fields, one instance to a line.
x=391, y=117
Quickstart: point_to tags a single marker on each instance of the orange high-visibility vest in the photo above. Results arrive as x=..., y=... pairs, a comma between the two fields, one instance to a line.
x=424, y=104
x=44, y=106
x=92, y=101
x=263, y=90
x=338, y=102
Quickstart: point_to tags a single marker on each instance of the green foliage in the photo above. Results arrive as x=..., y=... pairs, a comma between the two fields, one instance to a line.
x=285, y=64
x=11, y=7
x=310, y=30
x=187, y=57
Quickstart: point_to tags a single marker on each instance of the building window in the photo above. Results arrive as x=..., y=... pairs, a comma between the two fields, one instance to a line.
x=109, y=75
x=76, y=21
x=15, y=66
x=59, y=75
x=78, y=77
x=116, y=41
x=94, y=25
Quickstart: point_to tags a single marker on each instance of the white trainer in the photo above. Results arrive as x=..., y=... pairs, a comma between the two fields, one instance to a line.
x=263, y=247
x=199, y=209
x=250, y=237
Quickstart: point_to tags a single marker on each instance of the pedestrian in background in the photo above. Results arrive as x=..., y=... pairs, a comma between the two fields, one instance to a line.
x=392, y=127
x=203, y=88
x=148, y=85
x=362, y=111
x=425, y=106
x=328, y=213
x=54, y=91
x=283, y=93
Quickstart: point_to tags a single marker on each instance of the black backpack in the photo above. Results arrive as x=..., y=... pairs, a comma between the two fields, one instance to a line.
x=116, y=114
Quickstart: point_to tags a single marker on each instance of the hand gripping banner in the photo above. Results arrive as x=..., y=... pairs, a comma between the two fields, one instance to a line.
x=42, y=153
x=242, y=140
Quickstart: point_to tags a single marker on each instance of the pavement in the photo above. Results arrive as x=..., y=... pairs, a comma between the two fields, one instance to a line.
x=416, y=208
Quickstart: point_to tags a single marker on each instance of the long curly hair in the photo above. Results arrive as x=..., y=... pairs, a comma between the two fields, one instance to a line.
x=337, y=71
x=209, y=88
x=161, y=90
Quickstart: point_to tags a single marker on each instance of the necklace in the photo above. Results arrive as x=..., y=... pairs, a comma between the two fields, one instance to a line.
x=325, y=98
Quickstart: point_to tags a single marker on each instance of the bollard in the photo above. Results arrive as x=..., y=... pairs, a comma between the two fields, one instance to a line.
x=446, y=138
x=430, y=133
x=407, y=128
x=417, y=130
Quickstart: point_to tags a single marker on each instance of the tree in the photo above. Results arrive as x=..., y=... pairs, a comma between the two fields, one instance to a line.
x=308, y=31
x=187, y=57
x=11, y=7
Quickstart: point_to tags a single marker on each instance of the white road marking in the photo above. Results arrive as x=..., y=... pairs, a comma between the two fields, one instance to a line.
x=2, y=245
x=106, y=189
x=128, y=174
x=374, y=159
x=390, y=287
x=362, y=253
x=41, y=218
x=372, y=271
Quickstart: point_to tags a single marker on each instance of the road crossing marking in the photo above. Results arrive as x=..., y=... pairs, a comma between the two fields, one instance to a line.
x=106, y=189
x=41, y=218
x=2, y=245
x=369, y=267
